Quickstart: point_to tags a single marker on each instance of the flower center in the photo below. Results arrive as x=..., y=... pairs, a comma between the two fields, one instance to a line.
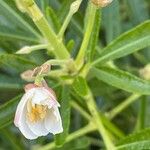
x=36, y=112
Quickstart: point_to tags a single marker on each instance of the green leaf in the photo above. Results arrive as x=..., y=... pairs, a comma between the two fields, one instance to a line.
x=13, y=25
x=7, y=111
x=7, y=82
x=94, y=37
x=122, y=80
x=53, y=19
x=11, y=139
x=137, y=141
x=129, y=42
x=80, y=86
x=70, y=45
x=15, y=62
x=65, y=115
x=111, y=21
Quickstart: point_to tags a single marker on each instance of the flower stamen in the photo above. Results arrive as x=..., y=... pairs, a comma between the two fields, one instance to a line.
x=36, y=112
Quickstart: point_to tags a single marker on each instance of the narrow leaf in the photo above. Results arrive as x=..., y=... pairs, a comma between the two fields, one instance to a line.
x=15, y=62
x=122, y=80
x=65, y=114
x=7, y=82
x=129, y=42
x=94, y=37
x=80, y=86
x=138, y=141
x=7, y=111
x=16, y=19
x=53, y=19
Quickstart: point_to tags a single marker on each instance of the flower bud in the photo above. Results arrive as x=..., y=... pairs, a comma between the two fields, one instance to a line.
x=75, y=6
x=24, y=50
x=27, y=75
x=101, y=3
x=145, y=72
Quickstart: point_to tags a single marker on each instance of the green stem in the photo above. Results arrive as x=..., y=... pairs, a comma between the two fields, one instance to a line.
x=110, y=126
x=56, y=73
x=83, y=112
x=98, y=121
x=72, y=136
x=86, y=39
x=57, y=62
x=73, y=9
x=59, y=49
x=141, y=115
x=123, y=105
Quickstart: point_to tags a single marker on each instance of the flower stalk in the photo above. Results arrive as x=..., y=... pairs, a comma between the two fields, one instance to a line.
x=123, y=105
x=87, y=129
x=87, y=35
x=29, y=49
x=73, y=9
x=98, y=121
x=35, y=13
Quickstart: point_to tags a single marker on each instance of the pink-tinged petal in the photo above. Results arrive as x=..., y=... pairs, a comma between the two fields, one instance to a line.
x=53, y=122
x=20, y=116
x=21, y=106
x=29, y=87
x=52, y=96
x=38, y=128
x=51, y=92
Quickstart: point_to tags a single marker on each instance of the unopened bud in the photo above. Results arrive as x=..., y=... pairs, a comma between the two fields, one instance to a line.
x=27, y=76
x=145, y=72
x=24, y=50
x=75, y=6
x=101, y=3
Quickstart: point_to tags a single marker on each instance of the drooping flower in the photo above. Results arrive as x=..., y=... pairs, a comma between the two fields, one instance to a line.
x=37, y=113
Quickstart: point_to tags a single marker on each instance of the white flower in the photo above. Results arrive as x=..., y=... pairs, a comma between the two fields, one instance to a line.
x=37, y=113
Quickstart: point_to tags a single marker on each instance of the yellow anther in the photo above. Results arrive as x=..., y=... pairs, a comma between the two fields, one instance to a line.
x=36, y=112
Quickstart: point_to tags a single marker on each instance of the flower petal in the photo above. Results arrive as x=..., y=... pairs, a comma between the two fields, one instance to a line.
x=40, y=96
x=53, y=122
x=38, y=128
x=21, y=106
x=20, y=116
x=44, y=97
x=23, y=127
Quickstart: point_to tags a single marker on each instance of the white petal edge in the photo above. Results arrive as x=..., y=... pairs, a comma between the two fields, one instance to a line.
x=21, y=106
x=38, y=128
x=20, y=116
x=53, y=122
x=23, y=127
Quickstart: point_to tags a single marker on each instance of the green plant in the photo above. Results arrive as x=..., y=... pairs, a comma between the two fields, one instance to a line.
x=87, y=78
